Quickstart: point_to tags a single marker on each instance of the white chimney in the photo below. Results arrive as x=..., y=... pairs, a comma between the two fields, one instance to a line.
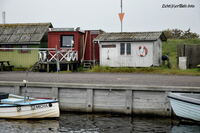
x=4, y=17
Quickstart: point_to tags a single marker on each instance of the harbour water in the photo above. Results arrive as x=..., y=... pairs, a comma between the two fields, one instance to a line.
x=98, y=123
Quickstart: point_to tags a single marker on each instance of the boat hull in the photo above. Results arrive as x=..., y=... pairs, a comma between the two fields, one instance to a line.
x=185, y=108
x=42, y=110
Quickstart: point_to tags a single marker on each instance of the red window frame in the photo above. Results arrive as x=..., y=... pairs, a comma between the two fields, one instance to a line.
x=6, y=46
x=24, y=51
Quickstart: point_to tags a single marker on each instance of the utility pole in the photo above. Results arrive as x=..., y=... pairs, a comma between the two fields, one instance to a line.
x=121, y=15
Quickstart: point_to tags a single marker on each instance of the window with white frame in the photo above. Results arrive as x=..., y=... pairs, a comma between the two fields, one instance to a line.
x=122, y=48
x=128, y=49
x=125, y=48
x=67, y=41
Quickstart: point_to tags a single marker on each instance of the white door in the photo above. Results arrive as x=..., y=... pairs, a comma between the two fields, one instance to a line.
x=108, y=55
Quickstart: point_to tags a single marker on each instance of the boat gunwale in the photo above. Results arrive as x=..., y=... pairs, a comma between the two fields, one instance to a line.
x=183, y=98
x=19, y=105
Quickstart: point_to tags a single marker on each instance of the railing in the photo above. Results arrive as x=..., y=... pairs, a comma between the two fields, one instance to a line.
x=58, y=55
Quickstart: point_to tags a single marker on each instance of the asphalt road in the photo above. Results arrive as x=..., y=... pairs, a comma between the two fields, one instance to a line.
x=104, y=78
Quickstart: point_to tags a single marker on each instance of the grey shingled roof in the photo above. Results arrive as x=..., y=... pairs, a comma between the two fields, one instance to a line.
x=24, y=33
x=130, y=37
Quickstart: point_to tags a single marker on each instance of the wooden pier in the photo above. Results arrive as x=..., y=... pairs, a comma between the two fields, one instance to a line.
x=91, y=98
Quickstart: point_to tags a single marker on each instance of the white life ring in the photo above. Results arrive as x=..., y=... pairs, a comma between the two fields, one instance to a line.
x=143, y=51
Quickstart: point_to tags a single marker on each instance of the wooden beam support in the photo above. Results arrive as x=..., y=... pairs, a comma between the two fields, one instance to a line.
x=129, y=102
x=15, y=90
x=55, y=93
x=89, y=100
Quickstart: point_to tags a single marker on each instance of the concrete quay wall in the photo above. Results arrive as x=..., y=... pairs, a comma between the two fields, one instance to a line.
x=91, y=98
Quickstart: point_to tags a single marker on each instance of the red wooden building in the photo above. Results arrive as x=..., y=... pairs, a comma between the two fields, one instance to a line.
x=75, y=40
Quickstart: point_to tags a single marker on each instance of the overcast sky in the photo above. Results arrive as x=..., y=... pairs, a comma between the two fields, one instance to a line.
x=140, y=15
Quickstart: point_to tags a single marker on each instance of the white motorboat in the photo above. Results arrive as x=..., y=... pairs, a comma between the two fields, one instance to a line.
x=19, y=107
x=186, y=105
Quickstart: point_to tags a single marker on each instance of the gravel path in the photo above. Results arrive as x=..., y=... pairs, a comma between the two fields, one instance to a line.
x=104, y=78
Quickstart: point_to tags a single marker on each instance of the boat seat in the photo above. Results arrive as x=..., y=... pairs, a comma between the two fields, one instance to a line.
x=3, y=95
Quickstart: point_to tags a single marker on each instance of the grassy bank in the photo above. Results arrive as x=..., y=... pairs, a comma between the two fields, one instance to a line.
x=170, y=48
x=151, y=70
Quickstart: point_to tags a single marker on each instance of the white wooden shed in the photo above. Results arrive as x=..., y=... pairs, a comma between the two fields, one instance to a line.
x=130, y=49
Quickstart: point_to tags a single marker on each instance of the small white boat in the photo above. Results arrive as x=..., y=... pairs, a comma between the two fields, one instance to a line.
x=18, y=107
x=186, y=105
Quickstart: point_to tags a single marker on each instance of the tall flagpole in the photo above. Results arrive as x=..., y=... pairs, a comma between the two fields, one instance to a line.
x=121, y=15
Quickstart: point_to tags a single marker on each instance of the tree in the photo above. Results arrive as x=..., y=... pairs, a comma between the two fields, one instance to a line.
x=189, y=35
x=179, y=34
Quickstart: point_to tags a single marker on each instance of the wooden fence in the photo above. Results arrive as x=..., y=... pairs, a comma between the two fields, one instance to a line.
x=191, y=52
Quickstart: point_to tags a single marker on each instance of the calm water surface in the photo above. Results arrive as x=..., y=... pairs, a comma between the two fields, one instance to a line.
x=84, y=123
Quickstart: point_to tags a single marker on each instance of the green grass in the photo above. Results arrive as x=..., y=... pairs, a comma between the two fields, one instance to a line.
x=19, y=69
x=170, y=48
x=151, y=70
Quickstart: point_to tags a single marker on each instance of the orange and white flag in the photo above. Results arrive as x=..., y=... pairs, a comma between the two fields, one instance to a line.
x=121, y=16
